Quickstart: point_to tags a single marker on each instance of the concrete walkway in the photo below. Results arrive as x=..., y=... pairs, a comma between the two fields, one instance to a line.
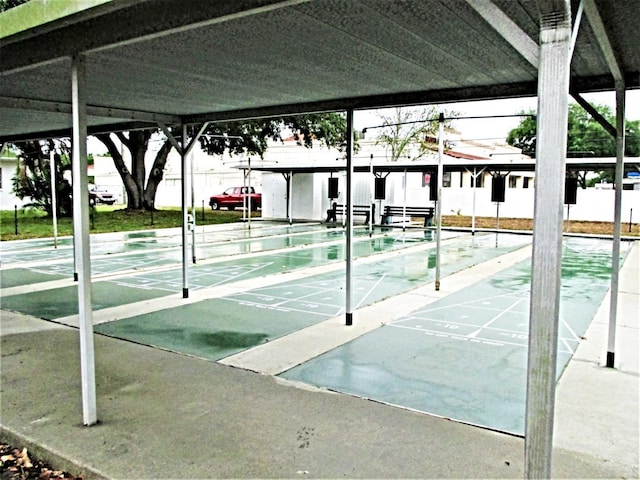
x=165, y=415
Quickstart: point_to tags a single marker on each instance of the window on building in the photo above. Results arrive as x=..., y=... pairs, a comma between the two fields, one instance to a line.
x=446, y=179
x=513, y=181
x=525, y=182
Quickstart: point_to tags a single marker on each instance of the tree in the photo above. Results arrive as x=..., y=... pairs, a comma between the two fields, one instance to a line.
x=407, y=131
x=585, y=136
x=238, y=138
x=33, y=175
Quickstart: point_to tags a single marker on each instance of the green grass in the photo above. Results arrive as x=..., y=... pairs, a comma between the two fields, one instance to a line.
x=35, y=223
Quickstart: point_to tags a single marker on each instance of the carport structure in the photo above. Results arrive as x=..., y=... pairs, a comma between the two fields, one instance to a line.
x=89, y=66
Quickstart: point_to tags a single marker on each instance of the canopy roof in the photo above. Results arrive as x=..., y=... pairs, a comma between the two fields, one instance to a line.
x=187, y=61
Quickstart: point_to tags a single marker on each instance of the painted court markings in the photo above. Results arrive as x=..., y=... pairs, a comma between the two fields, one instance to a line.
x=203, y=277
x=464, y=356
x=320, y=297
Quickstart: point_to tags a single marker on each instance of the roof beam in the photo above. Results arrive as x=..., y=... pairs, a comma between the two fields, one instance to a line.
x=66, y=132
x=136, y=21
x=508, y=29
x=92, y=110
x=595, y=114
x=597, y=25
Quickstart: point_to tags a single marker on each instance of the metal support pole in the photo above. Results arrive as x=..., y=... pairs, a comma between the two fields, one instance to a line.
x=371, y=195
x=81, y=238
x=617, y=223
x=185, y=216
x=249, y=196
x=404, y=201
x=193, y=205
x=473, y=212
x=244, y=196
x=439, y=197
x=553, y=94
x=349, y=202
x=54, y=197
x=289, y=193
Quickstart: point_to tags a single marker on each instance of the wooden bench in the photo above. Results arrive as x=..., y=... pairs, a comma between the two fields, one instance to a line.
x=361, y=210
x=392, y=211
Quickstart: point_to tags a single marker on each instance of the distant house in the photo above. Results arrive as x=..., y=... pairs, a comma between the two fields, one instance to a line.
x=8, y=164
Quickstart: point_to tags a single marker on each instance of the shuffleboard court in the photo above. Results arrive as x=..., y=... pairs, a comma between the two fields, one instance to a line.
x=464, y=357
x=262, y=314
x=120, y=290
x=116, y=257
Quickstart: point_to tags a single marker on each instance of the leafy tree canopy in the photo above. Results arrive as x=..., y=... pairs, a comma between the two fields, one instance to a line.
x=251, y=137
x=33, y=175
x=585, y=136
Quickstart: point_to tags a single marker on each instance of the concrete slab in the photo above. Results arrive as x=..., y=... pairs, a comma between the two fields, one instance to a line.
x=164, y=415
x=597, y=408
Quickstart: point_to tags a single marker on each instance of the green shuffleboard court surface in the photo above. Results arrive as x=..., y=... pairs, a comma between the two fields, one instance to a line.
x=465, y=357
x=256, y=316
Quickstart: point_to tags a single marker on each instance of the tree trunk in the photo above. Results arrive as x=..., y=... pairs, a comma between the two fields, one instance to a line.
x=137, y=145
x=134, y=197
x=156, y=175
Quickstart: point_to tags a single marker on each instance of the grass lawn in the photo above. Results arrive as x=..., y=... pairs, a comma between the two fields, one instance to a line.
x=35, y=224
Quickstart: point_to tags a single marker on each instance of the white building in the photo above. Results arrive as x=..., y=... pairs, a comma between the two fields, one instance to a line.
x=8, y=164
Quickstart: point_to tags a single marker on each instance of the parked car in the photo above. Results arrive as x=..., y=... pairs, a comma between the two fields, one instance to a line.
x=100, y=195
x=234, y=197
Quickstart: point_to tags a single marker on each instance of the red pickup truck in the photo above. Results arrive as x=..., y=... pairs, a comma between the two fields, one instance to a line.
x=235, y=197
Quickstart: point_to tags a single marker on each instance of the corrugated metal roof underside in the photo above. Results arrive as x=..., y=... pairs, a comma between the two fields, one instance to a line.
x=299, y=56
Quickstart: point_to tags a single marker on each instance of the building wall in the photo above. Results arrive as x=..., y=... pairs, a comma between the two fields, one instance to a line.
x=7, y=171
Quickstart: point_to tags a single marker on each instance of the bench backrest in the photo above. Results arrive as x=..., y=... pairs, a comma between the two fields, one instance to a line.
x=394, y=210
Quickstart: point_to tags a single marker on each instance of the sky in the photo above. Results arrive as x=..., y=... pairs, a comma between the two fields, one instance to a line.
x=497, y=129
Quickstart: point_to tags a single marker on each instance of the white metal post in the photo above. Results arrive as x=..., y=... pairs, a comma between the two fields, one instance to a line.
x=439, y=197
x=185, y=215
x=289, y=193
x=553, y=93
x=473, y=213
x=371, y=195
x=617, y=223
x=54, y=196
x=249, y=196
x=81, y=238
x=193, y=203
x=349, y=202
x=404, y=201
